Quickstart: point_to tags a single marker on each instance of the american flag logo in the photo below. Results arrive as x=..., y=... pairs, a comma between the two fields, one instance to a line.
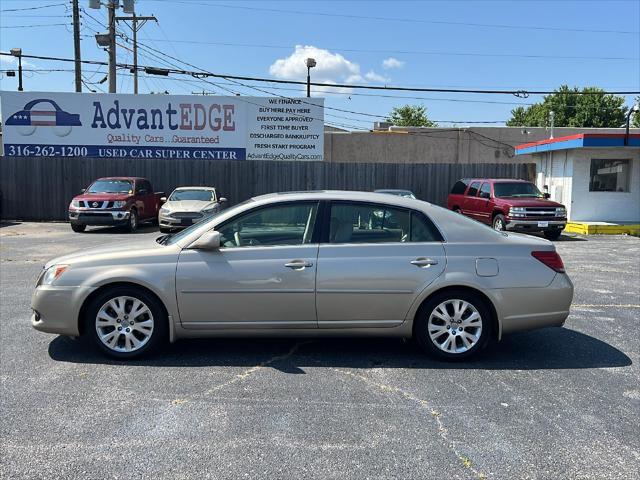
x=44, y=113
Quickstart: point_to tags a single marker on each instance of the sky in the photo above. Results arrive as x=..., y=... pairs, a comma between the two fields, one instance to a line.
x=514, y=45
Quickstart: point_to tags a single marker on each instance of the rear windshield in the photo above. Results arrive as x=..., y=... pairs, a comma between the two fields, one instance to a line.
x=516, y=189
x=111, y=186
x=202, y=195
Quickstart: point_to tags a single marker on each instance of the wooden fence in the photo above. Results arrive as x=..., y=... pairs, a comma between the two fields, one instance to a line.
x=40, y=188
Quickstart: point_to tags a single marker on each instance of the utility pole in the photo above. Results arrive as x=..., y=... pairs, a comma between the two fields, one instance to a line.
x=135, y=26
x=76, y=45
x=111, y=7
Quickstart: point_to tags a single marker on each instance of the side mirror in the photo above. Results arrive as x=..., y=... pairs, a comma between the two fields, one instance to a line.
x=546, y=195
x=163, y=199
x=223, y=200
x=208, y=241
x=82, y=190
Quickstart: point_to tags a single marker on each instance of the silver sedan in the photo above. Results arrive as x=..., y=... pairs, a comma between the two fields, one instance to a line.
x=310, y=264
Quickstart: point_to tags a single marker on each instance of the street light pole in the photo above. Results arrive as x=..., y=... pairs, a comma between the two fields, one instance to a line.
x=76, y=46
x=17, y=52
x=310, y=63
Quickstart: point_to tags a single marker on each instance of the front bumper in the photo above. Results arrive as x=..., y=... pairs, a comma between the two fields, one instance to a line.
x=534, y=225
x=530, y=308
x=167, y=221
x=56, y=309
x=98, y=217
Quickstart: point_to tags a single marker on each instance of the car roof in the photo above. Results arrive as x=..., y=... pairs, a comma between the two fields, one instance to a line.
x=495, y=180
x=195, y=188
x=120, y=178
x=348, y=195
x=381, y=190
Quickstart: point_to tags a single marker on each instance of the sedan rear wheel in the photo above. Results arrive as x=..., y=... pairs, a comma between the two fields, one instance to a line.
x=126, y=322
x=453, y=325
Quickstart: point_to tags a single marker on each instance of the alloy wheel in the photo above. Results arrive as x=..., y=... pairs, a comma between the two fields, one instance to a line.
x=455, y=326
x=498, y=224
x=124, y=324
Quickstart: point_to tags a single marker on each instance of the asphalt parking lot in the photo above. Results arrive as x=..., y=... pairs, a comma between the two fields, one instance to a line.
x=549, y=404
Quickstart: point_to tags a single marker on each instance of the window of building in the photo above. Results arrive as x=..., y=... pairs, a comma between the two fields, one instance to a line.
x=609, y=175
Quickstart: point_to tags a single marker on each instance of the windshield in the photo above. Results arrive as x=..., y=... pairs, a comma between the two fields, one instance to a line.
x=516, y=189
x=204, y=225
x=202, y=195
x=111, y=186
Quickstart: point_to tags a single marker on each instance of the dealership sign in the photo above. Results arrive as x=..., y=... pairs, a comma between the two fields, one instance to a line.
x=162, y=126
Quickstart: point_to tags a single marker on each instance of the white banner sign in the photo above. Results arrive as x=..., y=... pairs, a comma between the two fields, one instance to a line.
x=162, y=126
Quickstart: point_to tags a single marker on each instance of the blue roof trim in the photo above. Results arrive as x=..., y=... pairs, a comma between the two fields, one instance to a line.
x=585, y=142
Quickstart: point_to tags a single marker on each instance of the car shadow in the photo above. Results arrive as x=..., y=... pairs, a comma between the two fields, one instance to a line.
x=8, y=223
x=144, y=228
x=550, y=348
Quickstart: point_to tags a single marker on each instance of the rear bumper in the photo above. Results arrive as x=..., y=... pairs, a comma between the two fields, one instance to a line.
x=100, y=217
x=531, y=308
x=534, y=225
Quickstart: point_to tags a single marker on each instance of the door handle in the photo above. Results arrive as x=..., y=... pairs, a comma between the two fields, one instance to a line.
x=423, y=262
x=298, y=264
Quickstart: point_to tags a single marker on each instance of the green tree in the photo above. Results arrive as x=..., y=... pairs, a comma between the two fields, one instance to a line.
x=635, y=122
x=596, y=109
x=411, y=116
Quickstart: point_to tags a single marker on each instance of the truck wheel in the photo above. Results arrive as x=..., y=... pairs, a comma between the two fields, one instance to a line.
x=498, y=222
x=132, y=226
x=552, y=234
x=78, y=227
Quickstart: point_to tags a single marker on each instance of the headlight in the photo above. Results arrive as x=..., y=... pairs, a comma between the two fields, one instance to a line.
x=51, y=274
x=561, y=212
x=518, y=209
x=164, y=211
x=119, y=204
x=75, y=204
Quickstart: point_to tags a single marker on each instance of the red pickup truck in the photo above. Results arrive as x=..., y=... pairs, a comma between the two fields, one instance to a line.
x=117, y=201
x=508, y=205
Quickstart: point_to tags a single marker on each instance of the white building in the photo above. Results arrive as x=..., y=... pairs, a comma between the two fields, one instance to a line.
x=596, y=176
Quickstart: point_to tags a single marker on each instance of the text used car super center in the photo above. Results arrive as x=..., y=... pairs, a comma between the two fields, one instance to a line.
x=162, y=126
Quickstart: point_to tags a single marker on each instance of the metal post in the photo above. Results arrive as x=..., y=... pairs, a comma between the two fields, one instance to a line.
x=111, y=7
x=134, y=24
x=76, y=45
x=20, y=72
x=308, y=81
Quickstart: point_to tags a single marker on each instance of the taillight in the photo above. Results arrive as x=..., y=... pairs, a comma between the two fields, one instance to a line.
x=551, y=259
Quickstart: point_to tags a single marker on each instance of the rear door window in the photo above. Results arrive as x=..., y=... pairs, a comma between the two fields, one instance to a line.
x=485, y=190
x=459, y=187
x=473, y=189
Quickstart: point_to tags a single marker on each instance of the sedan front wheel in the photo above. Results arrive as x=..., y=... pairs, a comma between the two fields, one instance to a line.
x=453, y=325
x=126, y=323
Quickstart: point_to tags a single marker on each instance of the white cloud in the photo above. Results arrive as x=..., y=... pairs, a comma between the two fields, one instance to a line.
x=374, y=77
x=389, y=63
x=330, y=67
x=13, y=62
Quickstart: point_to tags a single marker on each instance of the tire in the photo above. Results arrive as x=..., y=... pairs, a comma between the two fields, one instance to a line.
x=132, y=224
x=114, y=306
x=444, y=338
x=78, y=227
x=552, y=234
x=457, y=210
x=498, y=223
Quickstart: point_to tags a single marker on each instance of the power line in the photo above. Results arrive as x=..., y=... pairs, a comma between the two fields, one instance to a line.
x=204, y=73
x=410, y=20
x=34, y=26
x=404, y=52
x=5, y=10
